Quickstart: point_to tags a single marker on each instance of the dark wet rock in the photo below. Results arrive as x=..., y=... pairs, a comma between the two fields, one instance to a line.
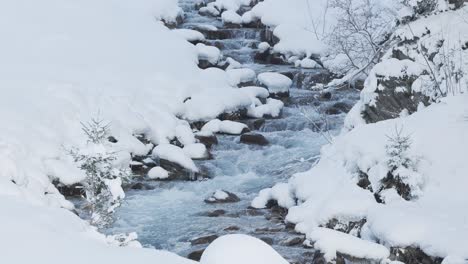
x=203, y=240
x=389, y=102
x=393, y=182
x=413, y=255
x=306, y=79
x=338, y=108
x=254, y=124
x=267, y=240
x=234, y=116
x=208, y=141
x=177, y=172
x=268, y=57
x=268, y=36
x=222, y=197
x=268, y=230
x=173, y=24
x=196, y=255
x=364, y=181
x=292, y=242
x=73, y=190
x=215, y=213
x=138, y=167
x=254, y=139
x=232, y=228
x=351, y=227
x=112, y=139
x=326, y=96
x=254, y=212
x=141, y=186
x=205, y=64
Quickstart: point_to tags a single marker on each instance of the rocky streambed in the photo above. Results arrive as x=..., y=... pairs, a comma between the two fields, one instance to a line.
x=186, y=212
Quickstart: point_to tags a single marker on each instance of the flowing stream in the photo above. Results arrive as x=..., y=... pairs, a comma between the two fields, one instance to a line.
x=174, y=213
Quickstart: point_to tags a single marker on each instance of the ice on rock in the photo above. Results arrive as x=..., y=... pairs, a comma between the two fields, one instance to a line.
x=174, y=154
x=330, y=242
x=231, y=17
x=158, y=173
x=225, y=126
x=238, y=76
x=275, y=82
x=189, y=34
x=236, y=249
x=209, y=53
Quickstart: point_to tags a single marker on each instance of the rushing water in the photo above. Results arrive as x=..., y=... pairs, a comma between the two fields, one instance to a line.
x=171, y=215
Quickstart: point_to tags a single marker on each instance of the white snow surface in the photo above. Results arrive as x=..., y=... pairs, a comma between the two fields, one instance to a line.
x=235, y=249
x=158, y=173
x=66, y=62
x=189, y=34
x=275, y=82
x=225, y=126
x=231, y=17
x=435, y=221
x=175, y=154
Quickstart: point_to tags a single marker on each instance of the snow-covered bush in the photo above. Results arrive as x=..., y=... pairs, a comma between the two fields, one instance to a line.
x=102, y=184
x=402, y=167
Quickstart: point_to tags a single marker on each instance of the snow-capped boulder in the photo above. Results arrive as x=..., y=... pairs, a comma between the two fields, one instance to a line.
x=278, y=84
x=235, y=249
x=174, y=154
x=196, y=151
x=221, y=196
x=209, y=54
x=239, y=77
x=226, y=127
x=272, y=108
x=158, y=173
x=231, y=18
x=190, y=35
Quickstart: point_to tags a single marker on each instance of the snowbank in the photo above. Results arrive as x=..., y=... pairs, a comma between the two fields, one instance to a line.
x=432, y=221
x=235, y=249
x=66, y=62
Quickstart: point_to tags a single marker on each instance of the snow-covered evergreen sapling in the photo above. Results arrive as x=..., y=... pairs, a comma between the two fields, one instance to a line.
x=102, y=184
x=402, y=166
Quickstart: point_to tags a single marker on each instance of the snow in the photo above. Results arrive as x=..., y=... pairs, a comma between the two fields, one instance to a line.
x=297, y=41
x=275, y=82
x=306, y=63
x=271, y=108
x=434, y=221
x=189, y=34
x=209, y=53
x=329, y=242
x=231, y=17
x=220, y=195
x=184, y=134
x=255, y=91
x=235, y=249
x=158, y=173
x=238, y=76
x=174, y=154
x=280, y=192
x=57, y=234
x=225, y=126
x=263, y=46
x=196, y=151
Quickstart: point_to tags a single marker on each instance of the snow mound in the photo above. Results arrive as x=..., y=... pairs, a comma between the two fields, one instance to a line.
x=158, y=173
x=174, y=154
x=196, y=151
x=231, y=17
x=275, y=82
x=271, y=108
x=225, y=126
x=209, y=53
x=255, y=91
x=235, y=249
x=239, y=76
x=189, y=34
x=330, y=242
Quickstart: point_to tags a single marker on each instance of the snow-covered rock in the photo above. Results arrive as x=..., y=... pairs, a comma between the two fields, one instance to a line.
x=255, y=91
x=189, y=34
x=174, y=154
x=235, y=249
x=225, y=126
x=208, y=53
x=240, y=76
x=221, y=196
x=275, y=82
x=231, y=17
x=158, y=173
x=272, y=108
x=196, y=151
